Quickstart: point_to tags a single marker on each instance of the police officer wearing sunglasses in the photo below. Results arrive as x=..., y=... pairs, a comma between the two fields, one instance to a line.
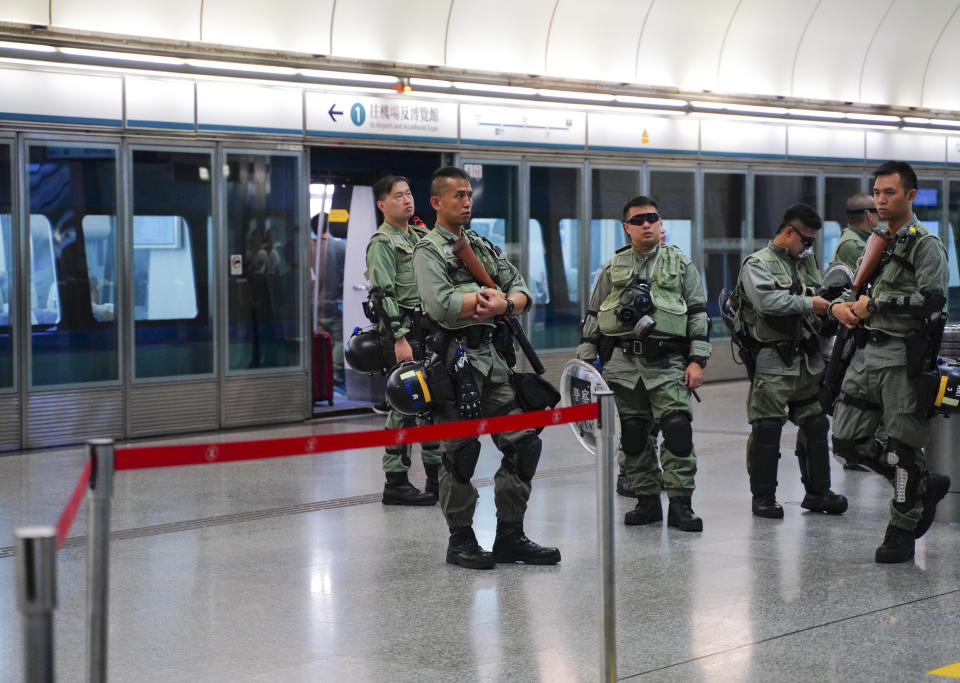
x=647, y=326
x=779, y=313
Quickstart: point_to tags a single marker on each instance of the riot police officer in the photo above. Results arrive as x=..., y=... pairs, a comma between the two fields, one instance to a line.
x=897, y=327
x=464, y=310
x=397, y=308
x=647, y=324
x=778, y=314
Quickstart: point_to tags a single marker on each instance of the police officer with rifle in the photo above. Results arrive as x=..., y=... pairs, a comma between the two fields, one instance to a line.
x=647, y=326
x=471, y=342
x=394, y=305
x=892, y=374
x=777, y=324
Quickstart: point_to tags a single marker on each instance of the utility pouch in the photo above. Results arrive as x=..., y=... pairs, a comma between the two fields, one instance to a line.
x=605, y=348
x=503, y=343
x=861, y=336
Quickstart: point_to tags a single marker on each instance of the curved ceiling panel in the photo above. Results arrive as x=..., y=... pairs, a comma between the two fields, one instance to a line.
x=681, y=41
x=36, y=12
x=830, y=57
x=577, y=27
x=499, y=35
x=898, y=56
x=760, y=46
x=173, y=19
x=291, y=25
x=412, y=31
x=941, y=83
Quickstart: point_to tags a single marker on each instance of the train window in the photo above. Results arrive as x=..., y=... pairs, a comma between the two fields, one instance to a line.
x=172, y=263
x=836, y=190
x=495, y=206
x=6, y=266
x=263, y=236
x=72, y=200
x=772, y=194
x=724, y=205
x=674, y=193
x=553, y=253
x=610, y=189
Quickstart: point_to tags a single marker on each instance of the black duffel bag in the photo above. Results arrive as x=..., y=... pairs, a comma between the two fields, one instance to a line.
x=533, y=391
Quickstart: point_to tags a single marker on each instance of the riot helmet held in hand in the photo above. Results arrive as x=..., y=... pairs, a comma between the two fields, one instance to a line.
x=415, y=387
x=369, y=351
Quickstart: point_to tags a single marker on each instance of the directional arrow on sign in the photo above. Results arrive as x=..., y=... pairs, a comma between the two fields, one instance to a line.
x=334, y=113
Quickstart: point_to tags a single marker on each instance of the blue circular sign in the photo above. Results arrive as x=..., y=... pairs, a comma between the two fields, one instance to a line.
x=357, y=114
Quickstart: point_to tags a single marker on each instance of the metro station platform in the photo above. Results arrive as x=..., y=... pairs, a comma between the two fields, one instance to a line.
x=291, y=569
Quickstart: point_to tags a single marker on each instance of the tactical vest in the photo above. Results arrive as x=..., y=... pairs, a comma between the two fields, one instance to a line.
x=851, y=234
x=897, y=278
x=460, y=277
x=666, y=291
x=406, y=284
x=770, y=328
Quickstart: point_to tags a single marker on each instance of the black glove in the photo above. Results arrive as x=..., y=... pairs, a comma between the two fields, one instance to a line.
x=468, y=395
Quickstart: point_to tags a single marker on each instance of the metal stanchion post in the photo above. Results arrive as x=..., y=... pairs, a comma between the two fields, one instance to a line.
x=37, y=598
x=100, y=452
x=606, y=450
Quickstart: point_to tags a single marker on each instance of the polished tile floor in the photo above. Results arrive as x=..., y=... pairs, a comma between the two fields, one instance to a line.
x=291, y=570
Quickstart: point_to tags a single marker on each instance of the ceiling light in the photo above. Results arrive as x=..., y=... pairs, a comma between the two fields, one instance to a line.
x=743, y=108
x=944, y=122
x=650, y=101
x=575, y=95
x=880, y=118
x=708, y=105
x=430, y=83
x=490, y=87
x=124, y=56
x=916, y=120
x=32, y=47
x=238, y=66
x=348, y=76
x=817, y=113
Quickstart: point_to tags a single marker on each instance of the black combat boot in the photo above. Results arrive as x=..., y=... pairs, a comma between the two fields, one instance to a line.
x=682, y=516
x=766, y=506
x=433, y=479
x=938, y=486
x=827, y=501
x=897, y=546
x=464, y=550
x=512, y=545
x=623, y=485
x=648, y=510
x=399, y=491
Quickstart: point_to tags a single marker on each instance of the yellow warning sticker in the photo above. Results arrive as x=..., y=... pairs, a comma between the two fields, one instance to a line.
x=949, y=671
x=338, y=216
x=645, y=139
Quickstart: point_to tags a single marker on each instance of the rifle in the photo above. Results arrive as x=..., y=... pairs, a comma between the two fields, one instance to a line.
x=844, y=346
x=463, y=251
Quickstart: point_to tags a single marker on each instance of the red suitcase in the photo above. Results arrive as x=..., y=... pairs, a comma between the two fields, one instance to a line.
x=322, y=367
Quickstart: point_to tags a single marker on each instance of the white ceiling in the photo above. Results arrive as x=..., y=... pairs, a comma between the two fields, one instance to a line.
x=888, y=52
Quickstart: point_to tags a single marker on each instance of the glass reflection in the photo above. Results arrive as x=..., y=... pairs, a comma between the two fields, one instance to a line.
x=262, y=237
x=71, y=196
x=772, y=194
x=172, y=263
x=6, y=267
x=674, y=193
x=610, y=190
x=836, y=192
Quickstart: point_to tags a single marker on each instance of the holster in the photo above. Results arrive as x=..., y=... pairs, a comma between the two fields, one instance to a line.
x=503, y=343
x=918, y=346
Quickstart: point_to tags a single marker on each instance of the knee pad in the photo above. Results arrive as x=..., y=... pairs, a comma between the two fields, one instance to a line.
x=766, y=432
x=677, y=434
x=846, y=449
x=816, y=427
x=525, y=457
x=633, y=434
x=462, y=462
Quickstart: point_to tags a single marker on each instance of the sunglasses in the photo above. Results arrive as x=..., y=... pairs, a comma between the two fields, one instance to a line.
x=807, y=242
x=641, y=218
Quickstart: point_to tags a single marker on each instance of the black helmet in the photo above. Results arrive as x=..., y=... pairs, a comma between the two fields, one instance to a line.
x=369, y=351
x=407, y=390
x=415, y=387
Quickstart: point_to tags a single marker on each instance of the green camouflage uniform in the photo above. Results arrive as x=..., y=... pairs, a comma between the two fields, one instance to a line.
x=390, y=269
x=647, y=391
x=774, y=295
x=877, y=385
x=443, y=280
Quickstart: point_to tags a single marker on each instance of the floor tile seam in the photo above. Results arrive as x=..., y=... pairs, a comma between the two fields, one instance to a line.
x=788, y=634
x=270, y=513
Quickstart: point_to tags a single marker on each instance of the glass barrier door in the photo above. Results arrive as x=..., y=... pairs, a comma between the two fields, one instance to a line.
x=71, y=197
x=7, y=268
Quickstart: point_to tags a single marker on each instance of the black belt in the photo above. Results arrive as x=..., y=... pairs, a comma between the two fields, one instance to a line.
x=653, y=349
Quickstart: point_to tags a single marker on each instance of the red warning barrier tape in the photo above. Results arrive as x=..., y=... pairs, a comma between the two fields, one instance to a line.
x=204, y=454
x=70, y=511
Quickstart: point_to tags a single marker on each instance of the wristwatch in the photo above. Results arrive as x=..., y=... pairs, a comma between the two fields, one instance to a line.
x=510, y=307
x=699, y=360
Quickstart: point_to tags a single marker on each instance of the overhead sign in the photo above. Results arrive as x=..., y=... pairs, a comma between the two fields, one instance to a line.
x=399, y=116
x=515, y=126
